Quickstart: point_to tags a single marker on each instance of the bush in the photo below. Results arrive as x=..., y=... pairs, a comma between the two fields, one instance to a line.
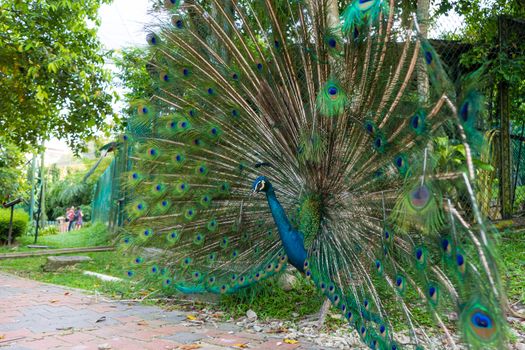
x=519, y=201
x=49, y=230
x=20, y=222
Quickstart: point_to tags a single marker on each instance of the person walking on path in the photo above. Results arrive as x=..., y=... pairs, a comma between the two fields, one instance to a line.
x=78, y=218
x=71, y=218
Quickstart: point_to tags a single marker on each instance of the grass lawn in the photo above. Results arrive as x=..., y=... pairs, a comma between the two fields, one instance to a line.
x=266, y=299
x=96, y=235
x=512, y=252
x=109, y=263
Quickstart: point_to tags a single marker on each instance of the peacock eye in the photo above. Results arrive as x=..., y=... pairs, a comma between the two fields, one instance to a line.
x=260, y=185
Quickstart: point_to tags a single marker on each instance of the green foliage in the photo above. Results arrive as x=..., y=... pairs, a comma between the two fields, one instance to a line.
x=269, y=300
x=71, y=190
x=519, y=195
x=95, y=235
x=505, y=63
x=134, y=76
x=51, y=71
x=48, y=230
x=20, y=222
x=12, y=181
x=108, y=263
x=512, y=248
x=88, y=236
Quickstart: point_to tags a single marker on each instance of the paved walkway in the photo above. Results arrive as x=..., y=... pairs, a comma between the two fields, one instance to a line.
x=41, y=316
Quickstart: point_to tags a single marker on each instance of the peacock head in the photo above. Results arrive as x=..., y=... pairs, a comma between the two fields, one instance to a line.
x=261, y=184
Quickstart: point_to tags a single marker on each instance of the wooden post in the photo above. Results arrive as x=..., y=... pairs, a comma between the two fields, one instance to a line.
x=505, y=158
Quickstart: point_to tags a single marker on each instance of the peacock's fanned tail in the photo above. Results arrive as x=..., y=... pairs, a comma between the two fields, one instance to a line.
x=330, y=113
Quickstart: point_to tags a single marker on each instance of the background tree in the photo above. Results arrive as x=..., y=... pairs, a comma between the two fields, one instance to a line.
x=52, y=79
x=133, y=76
x=71, y=189
x=12, y=171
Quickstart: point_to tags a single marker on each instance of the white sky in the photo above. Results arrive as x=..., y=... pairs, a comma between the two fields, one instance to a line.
x=122, y=25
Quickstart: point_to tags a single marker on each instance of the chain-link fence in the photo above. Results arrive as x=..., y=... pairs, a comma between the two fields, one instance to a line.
x=501, y=190
x=518, y=171
x=109, y=196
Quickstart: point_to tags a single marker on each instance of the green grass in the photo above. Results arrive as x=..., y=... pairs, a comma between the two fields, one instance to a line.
x=109, y=263
x=95, y=235
x=512, y=252
x=269, y=301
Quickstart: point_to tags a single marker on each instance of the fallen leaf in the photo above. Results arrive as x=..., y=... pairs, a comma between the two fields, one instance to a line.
x=191, y=317
x=67, y=293
x=189, y=347
x=142, y=323
x=240, y=345
x=290, y=341
x=278, y=330
x=52, y=301
x=2, y=336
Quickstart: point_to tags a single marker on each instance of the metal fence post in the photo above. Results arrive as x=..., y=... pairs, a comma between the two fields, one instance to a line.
x=505, y=159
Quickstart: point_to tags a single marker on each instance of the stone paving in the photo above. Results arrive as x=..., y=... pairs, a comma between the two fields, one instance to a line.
x=39, y=316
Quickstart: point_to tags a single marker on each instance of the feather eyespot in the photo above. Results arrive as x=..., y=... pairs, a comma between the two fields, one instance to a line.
x=464, y=112
x=429, y=57
x=332, y=91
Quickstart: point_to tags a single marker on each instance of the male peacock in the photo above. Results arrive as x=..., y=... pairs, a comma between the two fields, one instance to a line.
x=284, y=133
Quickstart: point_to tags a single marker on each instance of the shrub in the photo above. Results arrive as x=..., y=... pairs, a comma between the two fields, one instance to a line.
x=20, y=222
x=519, y=201
x=49, y=230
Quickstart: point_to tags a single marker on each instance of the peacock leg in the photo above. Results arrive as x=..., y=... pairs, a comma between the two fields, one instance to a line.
x=323, y=312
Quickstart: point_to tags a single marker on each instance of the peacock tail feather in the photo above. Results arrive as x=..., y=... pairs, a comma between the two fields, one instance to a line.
x=330, y=117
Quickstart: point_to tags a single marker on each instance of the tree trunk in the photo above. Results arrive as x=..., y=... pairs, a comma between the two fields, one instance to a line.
x=423, y=8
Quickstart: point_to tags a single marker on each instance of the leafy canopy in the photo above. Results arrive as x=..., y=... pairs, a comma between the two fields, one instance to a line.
x=52, y=80
x=12, y=181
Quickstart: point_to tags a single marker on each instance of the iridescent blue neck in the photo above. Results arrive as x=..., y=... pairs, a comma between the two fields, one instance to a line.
x=293, y=242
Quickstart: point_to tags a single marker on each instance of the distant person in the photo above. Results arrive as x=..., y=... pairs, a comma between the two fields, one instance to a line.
x=71, y=217
x=62, y=223
x=78, y=218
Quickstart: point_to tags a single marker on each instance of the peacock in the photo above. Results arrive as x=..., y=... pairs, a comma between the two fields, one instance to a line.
x=303, y=133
